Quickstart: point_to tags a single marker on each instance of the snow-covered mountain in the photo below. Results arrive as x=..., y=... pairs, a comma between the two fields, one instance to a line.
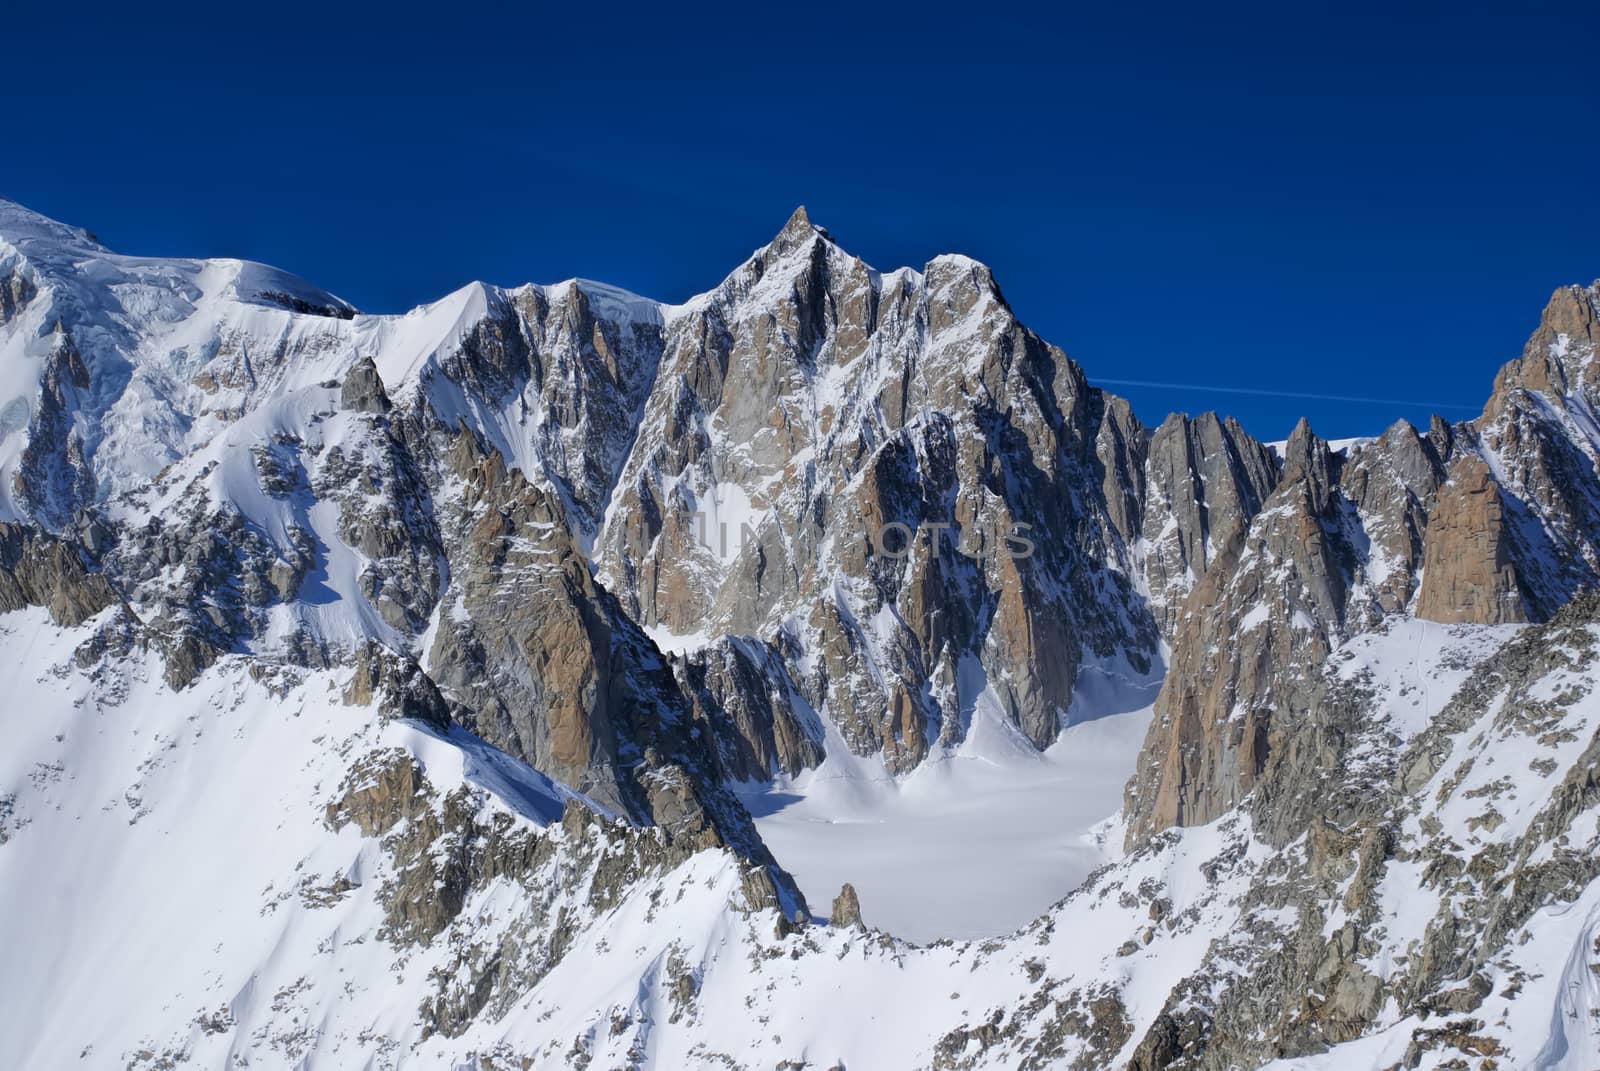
x=426, y=690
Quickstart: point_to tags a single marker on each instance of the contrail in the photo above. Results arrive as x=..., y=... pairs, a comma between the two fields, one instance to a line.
x=1279, y=393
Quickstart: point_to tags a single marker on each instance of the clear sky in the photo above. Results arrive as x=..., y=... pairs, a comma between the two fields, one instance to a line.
x=1370, y=203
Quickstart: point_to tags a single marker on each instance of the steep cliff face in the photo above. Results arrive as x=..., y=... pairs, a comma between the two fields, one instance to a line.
x=895, y=494
x=886, y=481
x=1271, y=604
x=39, y=570
x=414, y=644
x=1205, y=479
x=1539, y=436
x=753, y=711
x=1468, y=571
x=1490, y=521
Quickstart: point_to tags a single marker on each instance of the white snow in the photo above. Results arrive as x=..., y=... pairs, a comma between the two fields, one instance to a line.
x=1351, y=445
x=973, y=843
x=163, y=838
x=160, y=848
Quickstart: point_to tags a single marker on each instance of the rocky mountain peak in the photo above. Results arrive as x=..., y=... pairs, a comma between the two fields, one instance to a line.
x=1204, y=479
x=797, y=231
x=1306, y=454
x=1492, y=521
x=810, y=404
x=1558, y=358
x=497, y=613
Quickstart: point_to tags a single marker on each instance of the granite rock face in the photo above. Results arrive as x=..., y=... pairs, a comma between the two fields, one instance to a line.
x=1271, y=603
x=38, y=569
x=1490, y=521
x=1468, y=572
x=1538, y=434
x=1205, y=478
x=846, y=908
x=565, y=566
x=844, y=467
x=754, y=712
x=362, y=390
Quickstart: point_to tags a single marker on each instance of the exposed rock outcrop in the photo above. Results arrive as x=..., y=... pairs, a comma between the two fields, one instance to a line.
x=1468, y=572
x=1491, y=521
x=1271, y=605
x=397, y=686
x=761, y=725
x=1205, y=479
x=852, y=504
x=539, y=660
x=846, y=909
x=362, y=390
x=845, y=466
x=38, y=569
x=53, y=477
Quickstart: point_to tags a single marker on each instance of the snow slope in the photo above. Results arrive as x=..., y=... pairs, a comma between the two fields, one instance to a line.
x=173, y=351
x=256, y=865
x=213, y=910
x=974, y=843
x=208, y=915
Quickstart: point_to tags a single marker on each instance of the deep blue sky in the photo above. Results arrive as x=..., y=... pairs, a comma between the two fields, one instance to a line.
x=1272, y=198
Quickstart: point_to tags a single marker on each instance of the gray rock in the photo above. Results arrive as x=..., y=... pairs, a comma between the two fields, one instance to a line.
x=846, y=912
x=362, y=390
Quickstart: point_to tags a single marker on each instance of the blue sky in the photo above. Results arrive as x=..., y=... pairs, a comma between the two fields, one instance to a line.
x=1367, y=203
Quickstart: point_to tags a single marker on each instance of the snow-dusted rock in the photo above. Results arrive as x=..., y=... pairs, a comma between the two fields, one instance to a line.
x=380, y=684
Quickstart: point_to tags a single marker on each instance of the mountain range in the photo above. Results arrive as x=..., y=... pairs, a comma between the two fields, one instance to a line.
x=422, y=690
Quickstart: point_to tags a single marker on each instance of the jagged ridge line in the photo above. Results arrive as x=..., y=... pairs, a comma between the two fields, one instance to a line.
x=1262, y=392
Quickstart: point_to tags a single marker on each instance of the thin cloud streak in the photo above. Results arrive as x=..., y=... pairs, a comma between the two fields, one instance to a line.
x=1258, y=392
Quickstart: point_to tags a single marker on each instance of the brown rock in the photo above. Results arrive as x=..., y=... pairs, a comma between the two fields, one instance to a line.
x=380, y=789
x=1205, y=479
x=846, y=912
x=1467, y=573
x=941, y=413
x=38, y=569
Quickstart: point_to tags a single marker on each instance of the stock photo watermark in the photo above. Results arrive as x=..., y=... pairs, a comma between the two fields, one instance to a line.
x=893, y=540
